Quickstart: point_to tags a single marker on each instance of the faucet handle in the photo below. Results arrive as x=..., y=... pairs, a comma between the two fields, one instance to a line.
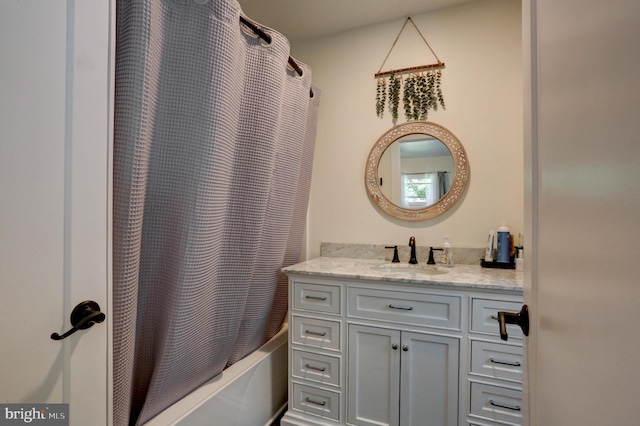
x=431, y=261
x=396, y=259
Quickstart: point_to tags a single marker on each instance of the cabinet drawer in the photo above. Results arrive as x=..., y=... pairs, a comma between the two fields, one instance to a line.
x=484, y=423
x=408, y=308
x=496, y=403
x=316, y=297
x=496, y=360
x=316, y=332
x=484, y=316
x=316, y=401
x=316, y=367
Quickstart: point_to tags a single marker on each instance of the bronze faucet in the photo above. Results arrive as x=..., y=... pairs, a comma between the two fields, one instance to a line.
x=412, y=244
x=431, y=261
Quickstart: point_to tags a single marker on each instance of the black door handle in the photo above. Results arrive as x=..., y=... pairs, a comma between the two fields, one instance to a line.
x=519, y=318
x=83, y=316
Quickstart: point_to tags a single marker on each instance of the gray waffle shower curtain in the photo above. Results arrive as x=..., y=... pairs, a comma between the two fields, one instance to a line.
x=214, y=138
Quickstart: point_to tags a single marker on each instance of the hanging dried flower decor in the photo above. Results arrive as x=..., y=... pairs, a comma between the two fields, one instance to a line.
x=394, y=96
x=439, y=90
x=381, y=96
x=421, y=88
x=410, y=100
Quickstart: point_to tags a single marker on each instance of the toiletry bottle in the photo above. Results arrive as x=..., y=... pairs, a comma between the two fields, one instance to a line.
x=488, y=253
x=520, y=253
x=504, y=245
x=520, y=260
x=447, y=255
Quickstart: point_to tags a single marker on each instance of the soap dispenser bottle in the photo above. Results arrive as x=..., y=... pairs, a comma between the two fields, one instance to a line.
x=447, y=255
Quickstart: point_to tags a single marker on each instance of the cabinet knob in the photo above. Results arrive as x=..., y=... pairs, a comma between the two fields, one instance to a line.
x=405, y=348
x=394, y=346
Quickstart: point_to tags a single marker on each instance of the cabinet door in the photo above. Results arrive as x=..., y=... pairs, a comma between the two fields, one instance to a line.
x=429, y=380
x=374, y=376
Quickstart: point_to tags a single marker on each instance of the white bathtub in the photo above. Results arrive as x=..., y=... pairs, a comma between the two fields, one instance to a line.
x=252, y=392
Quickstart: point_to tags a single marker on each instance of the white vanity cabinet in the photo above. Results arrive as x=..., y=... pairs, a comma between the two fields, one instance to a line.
x=316, y=359
x=495, y=366
x=399, y=377
x=367, y=351
x=400, y=372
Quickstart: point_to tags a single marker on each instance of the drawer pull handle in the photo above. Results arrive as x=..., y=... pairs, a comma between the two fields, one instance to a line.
x=314, y=402
x=494, y=317
x=316, y=297
x=316, y=333
x=508, y=407
x=401, y=307
x=313, y=367
x=497, y=361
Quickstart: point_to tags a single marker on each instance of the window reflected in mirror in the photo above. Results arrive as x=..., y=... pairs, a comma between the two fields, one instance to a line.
x=415, y=171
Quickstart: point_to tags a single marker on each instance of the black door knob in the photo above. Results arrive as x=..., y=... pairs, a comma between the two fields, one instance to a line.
x=519, y=318
x=83, y=316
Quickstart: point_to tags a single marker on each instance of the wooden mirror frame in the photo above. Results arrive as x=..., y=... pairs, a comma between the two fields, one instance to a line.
x=460, y=179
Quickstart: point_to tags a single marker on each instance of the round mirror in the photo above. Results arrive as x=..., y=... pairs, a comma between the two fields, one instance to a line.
x=416, y=171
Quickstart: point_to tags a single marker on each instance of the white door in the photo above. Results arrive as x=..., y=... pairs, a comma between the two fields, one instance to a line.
x=429, y=369
x=583, y=211
x=55, y=131
x=374, y=376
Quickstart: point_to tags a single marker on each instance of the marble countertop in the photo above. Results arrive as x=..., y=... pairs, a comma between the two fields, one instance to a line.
x=470, y=276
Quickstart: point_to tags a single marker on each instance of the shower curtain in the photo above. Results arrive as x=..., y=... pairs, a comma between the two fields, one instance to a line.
x=214, y=138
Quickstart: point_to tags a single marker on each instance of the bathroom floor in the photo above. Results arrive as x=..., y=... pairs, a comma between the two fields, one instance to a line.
x=277, y=421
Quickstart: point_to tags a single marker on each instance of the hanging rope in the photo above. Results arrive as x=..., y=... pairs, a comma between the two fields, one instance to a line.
x=421, y=92
x=438, y=65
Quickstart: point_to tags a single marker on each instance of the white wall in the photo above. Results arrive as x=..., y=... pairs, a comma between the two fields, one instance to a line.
x=481, y=44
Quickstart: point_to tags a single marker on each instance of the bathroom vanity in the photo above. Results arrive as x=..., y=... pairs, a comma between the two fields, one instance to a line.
x=374, y=343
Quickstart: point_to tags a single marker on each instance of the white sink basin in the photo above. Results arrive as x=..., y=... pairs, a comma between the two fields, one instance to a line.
x=394, y=268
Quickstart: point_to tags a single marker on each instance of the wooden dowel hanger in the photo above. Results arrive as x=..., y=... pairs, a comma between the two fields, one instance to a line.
x=438, y=66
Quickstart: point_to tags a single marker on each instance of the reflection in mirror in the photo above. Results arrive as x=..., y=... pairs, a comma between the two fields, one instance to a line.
x=416, y=171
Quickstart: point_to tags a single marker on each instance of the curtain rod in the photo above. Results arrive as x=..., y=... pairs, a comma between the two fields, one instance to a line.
x=266, y=37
